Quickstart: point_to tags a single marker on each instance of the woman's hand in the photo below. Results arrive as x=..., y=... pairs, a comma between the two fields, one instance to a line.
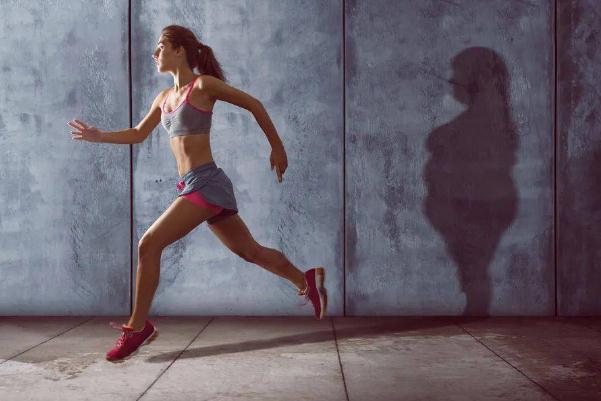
x=278, y=160
x=90, y=134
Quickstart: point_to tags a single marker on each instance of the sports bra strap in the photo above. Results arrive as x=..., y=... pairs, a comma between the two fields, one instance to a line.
x=190, y=89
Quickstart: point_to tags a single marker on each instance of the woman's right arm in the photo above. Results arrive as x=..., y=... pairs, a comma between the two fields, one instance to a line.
x=151, y=120
x=126, y=136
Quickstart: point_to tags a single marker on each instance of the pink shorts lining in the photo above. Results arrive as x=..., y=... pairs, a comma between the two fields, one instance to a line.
x=196, y=197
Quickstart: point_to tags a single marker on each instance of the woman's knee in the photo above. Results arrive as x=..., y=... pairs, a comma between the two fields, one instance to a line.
x=148, y=246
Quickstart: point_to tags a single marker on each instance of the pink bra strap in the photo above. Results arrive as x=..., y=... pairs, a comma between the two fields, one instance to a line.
x=190, y=90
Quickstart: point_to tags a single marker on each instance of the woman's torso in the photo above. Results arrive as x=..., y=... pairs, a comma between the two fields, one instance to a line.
x=190, y=150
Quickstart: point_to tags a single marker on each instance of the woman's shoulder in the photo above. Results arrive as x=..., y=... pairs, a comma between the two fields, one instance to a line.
x=208, y=84
x=160, y=97
x=163, y=92
x=202, y=80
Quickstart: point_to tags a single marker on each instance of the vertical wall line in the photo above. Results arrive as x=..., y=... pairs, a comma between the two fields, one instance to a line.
x=555, y=151
x=343, y=159
x=131, y=170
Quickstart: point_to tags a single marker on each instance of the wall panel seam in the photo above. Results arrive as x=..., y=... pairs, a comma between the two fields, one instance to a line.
x=131, y=173
x=343, y=158
x=555, y=149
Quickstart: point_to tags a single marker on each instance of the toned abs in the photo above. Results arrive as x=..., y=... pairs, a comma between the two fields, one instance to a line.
x=192, y=150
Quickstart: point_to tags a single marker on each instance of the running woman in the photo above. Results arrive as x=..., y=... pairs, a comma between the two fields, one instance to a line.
x=204, y=190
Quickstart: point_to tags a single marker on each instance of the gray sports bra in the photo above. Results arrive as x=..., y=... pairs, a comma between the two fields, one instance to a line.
x=186, y=119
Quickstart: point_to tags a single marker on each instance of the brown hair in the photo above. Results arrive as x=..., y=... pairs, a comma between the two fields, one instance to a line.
x=197, y=54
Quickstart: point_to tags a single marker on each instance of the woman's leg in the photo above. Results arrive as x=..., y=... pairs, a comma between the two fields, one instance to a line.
x=181, y=217
x=234, y=234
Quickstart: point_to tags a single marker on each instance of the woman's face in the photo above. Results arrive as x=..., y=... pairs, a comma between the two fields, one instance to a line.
x=164, y=56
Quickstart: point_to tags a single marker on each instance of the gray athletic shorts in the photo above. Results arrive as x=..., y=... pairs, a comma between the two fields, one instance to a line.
x=209, y=187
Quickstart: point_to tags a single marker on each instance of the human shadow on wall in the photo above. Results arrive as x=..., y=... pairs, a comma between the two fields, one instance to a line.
x=471, y=196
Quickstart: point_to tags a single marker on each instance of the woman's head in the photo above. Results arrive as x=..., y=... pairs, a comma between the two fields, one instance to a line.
x=178, y=47
x=479, y=71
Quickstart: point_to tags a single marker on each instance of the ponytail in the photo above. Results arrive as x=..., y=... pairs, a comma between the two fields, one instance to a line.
x=207, y=63
x=198, y=54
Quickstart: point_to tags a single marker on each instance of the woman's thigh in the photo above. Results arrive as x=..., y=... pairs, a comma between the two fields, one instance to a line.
x=234, y=234
x=181, y=217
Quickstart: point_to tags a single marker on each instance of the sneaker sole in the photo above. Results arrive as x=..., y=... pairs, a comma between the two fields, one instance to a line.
x=150, y=339
x=320, y=278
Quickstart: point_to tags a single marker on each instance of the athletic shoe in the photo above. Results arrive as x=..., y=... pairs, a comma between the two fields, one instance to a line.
x=130, y=341
x=315, y=291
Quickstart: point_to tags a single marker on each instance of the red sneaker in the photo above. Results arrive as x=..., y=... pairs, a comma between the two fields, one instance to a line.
x=130, y=341
x=315, y=291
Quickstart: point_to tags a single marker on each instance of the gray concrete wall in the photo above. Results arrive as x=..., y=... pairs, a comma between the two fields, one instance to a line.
x=289, y=56
x=449, y=205
x=579, y=158
x=65, y=204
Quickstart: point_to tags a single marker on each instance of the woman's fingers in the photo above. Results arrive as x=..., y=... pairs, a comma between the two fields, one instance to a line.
x=74, y=125
x=77, y=124
x=85, y=132
x=82, y=124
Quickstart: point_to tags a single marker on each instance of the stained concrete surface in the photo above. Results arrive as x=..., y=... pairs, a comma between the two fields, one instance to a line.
x=65, y=205
x=264, y=50
x=412, y=247
x=578, y=158
x=299, y=358
x=449, y=156
x=270, y=358
x=560, y=355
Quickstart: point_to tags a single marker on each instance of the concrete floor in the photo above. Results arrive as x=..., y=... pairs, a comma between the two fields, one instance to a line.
x=298, y=358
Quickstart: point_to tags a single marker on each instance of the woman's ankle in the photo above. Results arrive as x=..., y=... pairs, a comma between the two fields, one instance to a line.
x=135, y=328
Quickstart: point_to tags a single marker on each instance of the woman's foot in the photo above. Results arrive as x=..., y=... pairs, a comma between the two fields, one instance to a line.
x=130, y=341
x=315, y=290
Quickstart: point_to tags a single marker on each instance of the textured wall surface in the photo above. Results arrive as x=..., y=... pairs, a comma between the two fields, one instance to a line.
x=449, y=156
x=579, y=158
x=289, y=56
x=64, y=204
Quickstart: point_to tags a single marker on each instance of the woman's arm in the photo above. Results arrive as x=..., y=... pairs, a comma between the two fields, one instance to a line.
x=126, y=136
x=92, y=134
x=151, y=120
x=222, y=91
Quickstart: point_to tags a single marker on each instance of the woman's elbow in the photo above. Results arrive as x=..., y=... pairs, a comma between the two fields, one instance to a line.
x=254, y=105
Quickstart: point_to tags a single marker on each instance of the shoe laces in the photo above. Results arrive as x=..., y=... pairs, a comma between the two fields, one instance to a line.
x=305, y=294
x=124, y=335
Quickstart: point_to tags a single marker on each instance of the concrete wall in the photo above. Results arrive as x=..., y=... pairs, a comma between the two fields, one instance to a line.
x=434, y=150
x=579, y=158
x=449, y=203
x=289, y=56
x=65, y=204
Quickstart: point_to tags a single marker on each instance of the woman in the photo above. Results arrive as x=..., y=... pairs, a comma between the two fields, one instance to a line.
x=204, y=191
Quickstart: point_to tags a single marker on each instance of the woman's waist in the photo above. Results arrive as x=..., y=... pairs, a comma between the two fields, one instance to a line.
x=188, y=160
x=200, y=165
x=190, y=142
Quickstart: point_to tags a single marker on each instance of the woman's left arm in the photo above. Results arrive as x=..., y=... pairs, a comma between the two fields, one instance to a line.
x=222, y=91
